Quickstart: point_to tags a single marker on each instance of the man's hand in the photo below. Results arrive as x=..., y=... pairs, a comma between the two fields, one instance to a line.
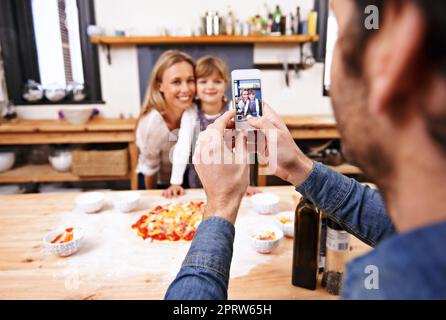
x=223, y=173
x=277, y=149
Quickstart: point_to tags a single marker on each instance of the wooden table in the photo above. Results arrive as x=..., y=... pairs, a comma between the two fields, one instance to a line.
x=25, y=132
x=27, y=272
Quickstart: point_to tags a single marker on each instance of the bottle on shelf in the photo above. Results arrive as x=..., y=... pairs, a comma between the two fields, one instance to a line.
x=265, y=15
x=229, y=22
x=289, y=24
x=269, y=24
x=216, y=24
x=276, y=28
x=209, y=23
x=238, y=27
x=297, y=21
x=312, y=23
x=306, y=245
x=337, y=254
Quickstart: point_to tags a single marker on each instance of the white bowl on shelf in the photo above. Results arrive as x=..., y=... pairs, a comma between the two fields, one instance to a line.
x=11, y=189
x=63, y=249
x=265, y=203
x=77, y=115
x=264, y=246
x=127, y=201
x=7, y=160
x=61, y=161
x=55, y=92
x=287, y=227
x=90, y=202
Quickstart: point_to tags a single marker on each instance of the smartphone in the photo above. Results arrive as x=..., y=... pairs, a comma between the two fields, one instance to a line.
x=246, y=96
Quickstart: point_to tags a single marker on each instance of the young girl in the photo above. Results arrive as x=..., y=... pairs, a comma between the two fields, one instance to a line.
x=212, y=79
x=168, y=98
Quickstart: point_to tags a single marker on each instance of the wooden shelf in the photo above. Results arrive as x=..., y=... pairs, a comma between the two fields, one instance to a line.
x=142, y=40
x=46, y=173
x=312, y=126
x=346, y=169
x=19, y=132
x=95, y=125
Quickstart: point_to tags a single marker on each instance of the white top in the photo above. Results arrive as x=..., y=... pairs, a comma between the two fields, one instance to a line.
x=190, y=128
x=181, y=153
x=156, y=143
x=152, y=140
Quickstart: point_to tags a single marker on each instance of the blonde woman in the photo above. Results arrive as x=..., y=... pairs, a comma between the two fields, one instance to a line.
x=169, y=98
x=212, y=80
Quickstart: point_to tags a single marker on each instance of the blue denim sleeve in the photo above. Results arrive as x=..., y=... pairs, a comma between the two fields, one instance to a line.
x=204, y=274
x=357, y=208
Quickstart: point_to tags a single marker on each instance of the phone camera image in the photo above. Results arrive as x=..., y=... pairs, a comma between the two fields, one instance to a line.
x=247, y=99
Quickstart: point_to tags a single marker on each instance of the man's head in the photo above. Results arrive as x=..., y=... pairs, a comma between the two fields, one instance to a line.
x=389, y=85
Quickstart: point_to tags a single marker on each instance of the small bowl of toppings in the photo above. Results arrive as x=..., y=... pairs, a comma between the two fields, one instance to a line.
x=126, y=201
x=90, y=202
x=285, y=221
x=265, y=203
x=64, y=242
x=265, y=238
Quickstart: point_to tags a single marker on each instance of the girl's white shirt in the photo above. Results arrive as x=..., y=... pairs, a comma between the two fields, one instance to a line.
x=189, y=130
x=182, y=150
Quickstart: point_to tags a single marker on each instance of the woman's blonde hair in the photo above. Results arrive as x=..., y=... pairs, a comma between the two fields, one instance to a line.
x=154, y=98
x=208, y=65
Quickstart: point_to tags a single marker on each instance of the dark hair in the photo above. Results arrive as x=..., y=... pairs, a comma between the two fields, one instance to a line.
x=434, y=47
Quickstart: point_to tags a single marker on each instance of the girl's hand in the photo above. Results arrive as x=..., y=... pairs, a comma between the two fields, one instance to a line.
x=252, y=191
x=175, y=190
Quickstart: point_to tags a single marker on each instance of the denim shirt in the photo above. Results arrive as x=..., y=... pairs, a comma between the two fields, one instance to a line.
x=402, y=266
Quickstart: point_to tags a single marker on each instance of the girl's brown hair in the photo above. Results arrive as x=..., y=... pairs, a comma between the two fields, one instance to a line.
x=154, y=99
x=208, y=65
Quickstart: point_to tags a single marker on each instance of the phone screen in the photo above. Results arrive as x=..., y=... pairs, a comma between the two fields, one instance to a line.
x=247, y=99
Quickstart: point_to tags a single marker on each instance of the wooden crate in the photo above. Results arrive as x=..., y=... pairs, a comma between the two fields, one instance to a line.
x=100, y=162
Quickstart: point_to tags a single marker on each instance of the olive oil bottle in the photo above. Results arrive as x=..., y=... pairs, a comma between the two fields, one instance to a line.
x=306, y=245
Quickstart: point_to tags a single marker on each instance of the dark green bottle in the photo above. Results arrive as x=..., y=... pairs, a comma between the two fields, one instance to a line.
x=306, y=245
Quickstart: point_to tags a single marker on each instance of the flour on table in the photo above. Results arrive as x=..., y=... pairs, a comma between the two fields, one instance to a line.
x=111, y=248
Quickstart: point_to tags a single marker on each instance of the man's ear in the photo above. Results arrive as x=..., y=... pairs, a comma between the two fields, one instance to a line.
x=393, y=54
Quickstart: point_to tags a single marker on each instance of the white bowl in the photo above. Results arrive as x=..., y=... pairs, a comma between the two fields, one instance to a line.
x=63, y=249
x=62, y=161
x=93, y=30
x=264, y=246
x=265, y=203
x=55, y=92
x=77, y=115
x=126, y=201
x=90, y=202
x=7, y=160
x=287, y=228
x=11, y=189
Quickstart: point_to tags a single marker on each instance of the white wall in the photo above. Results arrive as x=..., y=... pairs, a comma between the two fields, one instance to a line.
x=120, y=80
